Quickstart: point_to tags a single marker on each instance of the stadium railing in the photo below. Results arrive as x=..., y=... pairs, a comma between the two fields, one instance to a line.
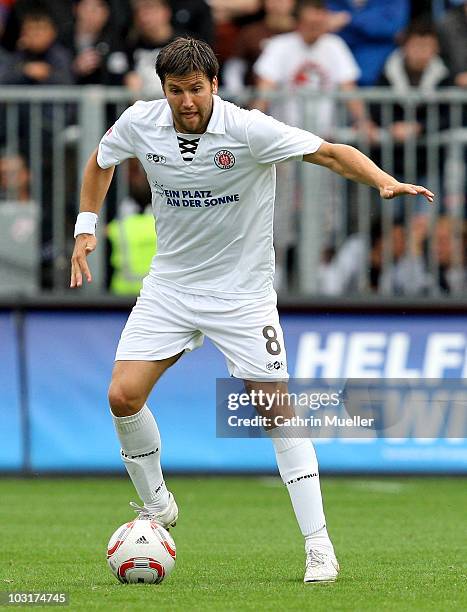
x=333, y=239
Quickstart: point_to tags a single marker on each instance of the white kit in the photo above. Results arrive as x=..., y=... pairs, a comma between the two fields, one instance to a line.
x=213, y=272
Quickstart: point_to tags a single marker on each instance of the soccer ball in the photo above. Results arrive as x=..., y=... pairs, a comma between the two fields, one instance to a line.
x=141, y=551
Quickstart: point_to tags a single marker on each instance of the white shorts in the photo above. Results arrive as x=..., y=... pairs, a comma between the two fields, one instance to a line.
x=165, y=322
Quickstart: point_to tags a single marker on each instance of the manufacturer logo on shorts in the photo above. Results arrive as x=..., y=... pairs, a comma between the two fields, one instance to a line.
x=224, y=159
x=275, y=365
x=156, y=159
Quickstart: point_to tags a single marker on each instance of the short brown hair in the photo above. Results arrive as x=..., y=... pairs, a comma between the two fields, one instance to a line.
x=184, y=56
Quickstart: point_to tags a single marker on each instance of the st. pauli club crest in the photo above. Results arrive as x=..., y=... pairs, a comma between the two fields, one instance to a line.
x=224, y=159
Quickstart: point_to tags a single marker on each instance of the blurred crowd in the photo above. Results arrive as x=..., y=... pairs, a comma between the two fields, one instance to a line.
x=115, y=42
x=272, y=45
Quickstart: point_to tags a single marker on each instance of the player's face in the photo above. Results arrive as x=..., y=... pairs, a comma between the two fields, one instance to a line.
x=190, y=100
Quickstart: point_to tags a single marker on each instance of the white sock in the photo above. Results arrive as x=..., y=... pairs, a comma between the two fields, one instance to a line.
x=298, y=467
x=141, y=452
x=319, y=541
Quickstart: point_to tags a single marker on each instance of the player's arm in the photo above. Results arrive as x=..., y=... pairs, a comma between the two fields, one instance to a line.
x=354, y=165
x=94, y=188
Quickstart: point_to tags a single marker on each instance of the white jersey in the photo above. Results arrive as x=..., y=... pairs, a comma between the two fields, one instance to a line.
x=214, y=215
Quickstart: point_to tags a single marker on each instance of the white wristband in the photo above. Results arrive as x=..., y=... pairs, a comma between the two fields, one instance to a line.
x=86, y=223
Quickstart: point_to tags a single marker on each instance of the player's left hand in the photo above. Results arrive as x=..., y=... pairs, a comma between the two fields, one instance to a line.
x=396, y=189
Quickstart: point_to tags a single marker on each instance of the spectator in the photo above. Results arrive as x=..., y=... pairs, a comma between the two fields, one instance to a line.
x=152, y=30
x=449, y=247
x=409, y=272
x=309, y=57
x=453, y=39
x=14, y=179
x=193, y=18
x=421, y=272
x=314, y=58
x=415, y=65
x=39, y=59
x=229, y=17
x=278, y=19
x=61, y=11
x=19, y=227
x=97, y=60
x=369, y=27
x=354, y=266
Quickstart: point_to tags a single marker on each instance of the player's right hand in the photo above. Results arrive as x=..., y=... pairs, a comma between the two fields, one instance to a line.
x=84, y=244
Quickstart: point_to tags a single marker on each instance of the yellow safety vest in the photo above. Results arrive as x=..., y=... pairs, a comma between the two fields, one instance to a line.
x=134, y=243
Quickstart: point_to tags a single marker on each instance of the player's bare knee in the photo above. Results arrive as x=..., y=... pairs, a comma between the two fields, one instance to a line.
x=270, y=398
x=122, y=401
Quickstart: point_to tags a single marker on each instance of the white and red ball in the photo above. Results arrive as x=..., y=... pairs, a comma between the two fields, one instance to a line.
x=141, y=551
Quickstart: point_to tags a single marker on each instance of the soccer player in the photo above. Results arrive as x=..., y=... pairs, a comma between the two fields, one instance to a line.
x=211, y=169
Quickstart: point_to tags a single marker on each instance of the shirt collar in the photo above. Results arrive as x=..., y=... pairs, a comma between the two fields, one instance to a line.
x=216, y=124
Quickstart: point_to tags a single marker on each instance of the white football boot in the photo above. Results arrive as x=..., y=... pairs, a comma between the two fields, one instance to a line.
x=321, y=566
x=167, y=518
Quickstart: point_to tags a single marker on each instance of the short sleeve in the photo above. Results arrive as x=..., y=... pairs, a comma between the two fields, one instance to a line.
x=117, y=144
x=272, y=141
x=269, y=63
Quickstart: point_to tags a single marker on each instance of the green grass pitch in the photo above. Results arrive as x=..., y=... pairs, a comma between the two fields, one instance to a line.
x=401, y=544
